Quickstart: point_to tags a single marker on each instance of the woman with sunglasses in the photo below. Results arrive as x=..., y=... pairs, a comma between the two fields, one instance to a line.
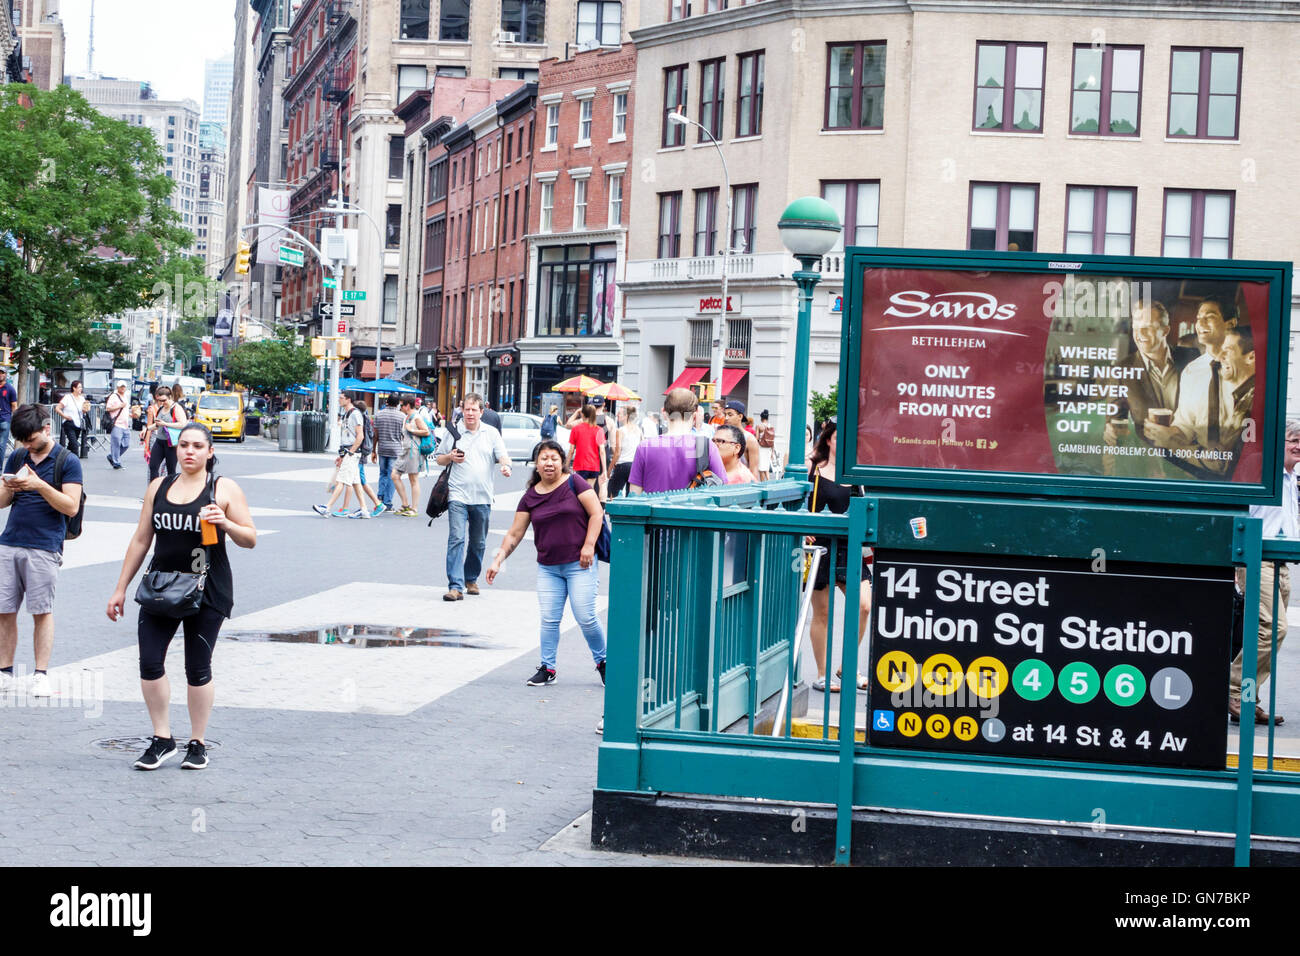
x=730, y=441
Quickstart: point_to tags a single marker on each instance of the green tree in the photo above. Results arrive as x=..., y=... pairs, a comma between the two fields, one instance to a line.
x=270, y=364
x=86, y=228
x=824, y=406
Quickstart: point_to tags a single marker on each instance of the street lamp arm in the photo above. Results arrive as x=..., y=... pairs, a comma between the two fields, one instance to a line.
x=320, y=256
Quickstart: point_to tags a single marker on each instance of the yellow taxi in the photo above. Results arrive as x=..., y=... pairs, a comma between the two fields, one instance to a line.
x=222, y=413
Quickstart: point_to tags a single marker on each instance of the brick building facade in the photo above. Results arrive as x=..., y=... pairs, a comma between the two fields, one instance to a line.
x=578, y=221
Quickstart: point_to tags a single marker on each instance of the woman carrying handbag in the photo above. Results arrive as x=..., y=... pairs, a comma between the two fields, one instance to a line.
x=188, y=518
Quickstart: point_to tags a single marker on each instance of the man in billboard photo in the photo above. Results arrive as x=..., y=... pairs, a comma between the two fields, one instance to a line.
x=1206, y=399
x=1162, y=365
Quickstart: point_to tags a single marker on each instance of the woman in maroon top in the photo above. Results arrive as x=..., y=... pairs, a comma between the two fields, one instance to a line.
x=566, y=517
x=587, y=446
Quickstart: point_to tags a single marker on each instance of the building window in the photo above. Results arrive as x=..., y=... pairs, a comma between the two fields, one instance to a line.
x=516, y=73
x=743, y=219
x=393, y=228
x=1003, y=216
x=713, y=75
x=390, y=300
x=584, y=122
x=450, y=71
x=615, y=181
x=514, y=220
x=1107, y=90
x=415, y=19
x=410, y=79
x=858, y=203
x=548, y=204
x=396, y=150
x=1009, y=86
x=620, y=114
x=1198, y=224
x=1099, y=220
x=437, y=181
x=674, y=134
x=855, y=86
x=1204, y=87
x=435, y=244
x=670, y=216
x=524, y=18
x=453, y=20
x=575, y=290
x=749, y=98
x=600, y=21
x=679, y=9
x=706, y=222
x=505, y=218
x=552, y=124
x=579, y=204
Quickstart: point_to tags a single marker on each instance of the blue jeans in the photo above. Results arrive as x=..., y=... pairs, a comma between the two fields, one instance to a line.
x=4, y=438
x=119, y=440
x=386, y=481
x=468, y=525
x=555, y=583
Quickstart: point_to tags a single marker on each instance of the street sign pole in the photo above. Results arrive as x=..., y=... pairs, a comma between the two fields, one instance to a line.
x=338, y=311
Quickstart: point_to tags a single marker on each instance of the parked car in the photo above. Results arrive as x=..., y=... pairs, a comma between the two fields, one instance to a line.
x=523, y=433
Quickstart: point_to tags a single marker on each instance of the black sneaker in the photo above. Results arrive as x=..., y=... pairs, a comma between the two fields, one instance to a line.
x=601, y=667
x=161, y=749
x=196, y=756
x=544, y=675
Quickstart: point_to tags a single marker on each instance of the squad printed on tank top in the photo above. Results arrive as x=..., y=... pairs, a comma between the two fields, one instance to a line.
x=178, y=545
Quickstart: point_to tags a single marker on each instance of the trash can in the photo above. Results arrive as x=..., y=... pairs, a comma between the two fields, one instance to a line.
x=252, y=424
x=290, y=431
x=313, y=432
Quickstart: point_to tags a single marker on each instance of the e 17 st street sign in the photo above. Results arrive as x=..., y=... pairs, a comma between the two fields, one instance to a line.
x=357, y=295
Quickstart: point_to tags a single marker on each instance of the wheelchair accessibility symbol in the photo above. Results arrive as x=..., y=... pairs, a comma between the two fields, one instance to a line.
x=882, y=720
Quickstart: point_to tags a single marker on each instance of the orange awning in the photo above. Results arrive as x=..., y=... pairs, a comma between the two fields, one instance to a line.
x=368, y=368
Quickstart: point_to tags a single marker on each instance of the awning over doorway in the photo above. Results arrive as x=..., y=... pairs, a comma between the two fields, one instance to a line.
x=730, y=378
x=368, y=368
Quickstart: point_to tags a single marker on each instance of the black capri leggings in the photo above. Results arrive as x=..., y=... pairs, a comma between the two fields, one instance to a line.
x=618, y=481
x=155, y=635
x=162, y=459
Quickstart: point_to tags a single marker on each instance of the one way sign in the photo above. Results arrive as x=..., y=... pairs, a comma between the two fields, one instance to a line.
x=327, y=309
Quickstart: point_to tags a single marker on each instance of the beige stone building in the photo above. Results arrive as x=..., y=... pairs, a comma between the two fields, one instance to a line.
x=43, y=40
x=1121, y=127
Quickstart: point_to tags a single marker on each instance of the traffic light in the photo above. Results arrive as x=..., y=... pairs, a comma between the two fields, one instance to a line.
x=154, y=327
x=241, y=260
x=243, y=329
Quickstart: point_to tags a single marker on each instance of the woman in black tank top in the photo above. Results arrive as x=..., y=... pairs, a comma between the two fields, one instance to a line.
x=834, y=498
x=175, y=509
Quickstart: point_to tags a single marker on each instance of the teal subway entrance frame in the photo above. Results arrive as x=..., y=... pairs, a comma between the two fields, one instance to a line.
x=666, y=733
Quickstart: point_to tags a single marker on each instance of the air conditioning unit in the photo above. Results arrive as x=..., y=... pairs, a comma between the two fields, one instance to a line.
x=509, y=37
x=586, y=45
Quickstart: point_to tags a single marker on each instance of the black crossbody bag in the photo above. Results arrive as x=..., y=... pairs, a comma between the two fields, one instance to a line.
x=175, y=594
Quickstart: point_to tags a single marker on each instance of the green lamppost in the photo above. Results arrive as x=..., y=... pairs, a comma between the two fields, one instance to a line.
x=809, y=228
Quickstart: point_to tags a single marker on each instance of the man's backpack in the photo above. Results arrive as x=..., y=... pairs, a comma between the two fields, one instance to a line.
x=367, y=434
x=440, y=496
x=704, y=476
x=72, y=525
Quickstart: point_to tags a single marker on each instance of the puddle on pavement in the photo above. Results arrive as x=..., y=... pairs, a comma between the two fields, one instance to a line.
x=368, y=635
x=138, y=744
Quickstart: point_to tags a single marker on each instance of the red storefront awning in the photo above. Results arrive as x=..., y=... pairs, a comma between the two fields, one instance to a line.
x=730, y=378
x=368, y=368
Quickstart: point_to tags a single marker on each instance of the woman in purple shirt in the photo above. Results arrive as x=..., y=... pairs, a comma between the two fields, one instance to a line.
x=566, y=517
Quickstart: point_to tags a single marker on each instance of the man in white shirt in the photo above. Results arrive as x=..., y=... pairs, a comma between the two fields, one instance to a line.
x=469, y=486
x=1202, y=388
x=118, y=408
x=1281, y=521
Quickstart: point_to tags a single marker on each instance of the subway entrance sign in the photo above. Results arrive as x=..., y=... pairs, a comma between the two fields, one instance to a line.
x=1035, y=657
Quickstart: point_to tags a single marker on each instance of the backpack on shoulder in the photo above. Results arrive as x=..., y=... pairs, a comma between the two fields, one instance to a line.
x=367, y=434
x=704, y=475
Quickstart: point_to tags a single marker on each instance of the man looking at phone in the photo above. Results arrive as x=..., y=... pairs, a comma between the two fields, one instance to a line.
x=469, y=492
x=31, y=548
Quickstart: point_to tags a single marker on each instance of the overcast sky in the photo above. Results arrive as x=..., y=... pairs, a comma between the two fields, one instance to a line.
x=163, y=42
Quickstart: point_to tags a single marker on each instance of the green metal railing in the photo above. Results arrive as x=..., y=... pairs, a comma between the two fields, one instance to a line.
x=706, y=588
